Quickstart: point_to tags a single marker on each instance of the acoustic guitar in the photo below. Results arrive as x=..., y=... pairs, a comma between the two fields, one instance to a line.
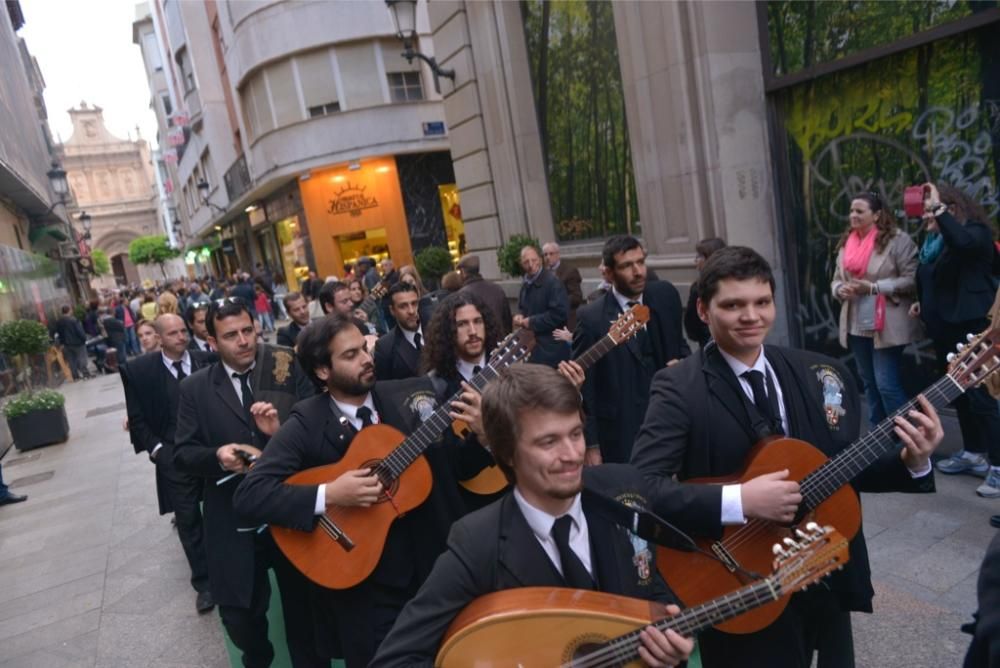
x=346, y=543
x=491, y=479
x=827, y=498
x=542, y=627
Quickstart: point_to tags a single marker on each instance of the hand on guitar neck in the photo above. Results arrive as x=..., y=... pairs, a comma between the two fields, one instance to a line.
x=467, y=412
x=920, y=435
x=664, y=648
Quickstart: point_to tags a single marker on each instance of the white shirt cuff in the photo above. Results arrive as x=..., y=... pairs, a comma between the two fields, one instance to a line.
x=320, y=507
x=732, y=504
x=152, y=453
x=920, y=473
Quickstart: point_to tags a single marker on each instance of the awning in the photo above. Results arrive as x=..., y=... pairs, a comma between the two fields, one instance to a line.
x=40, y=232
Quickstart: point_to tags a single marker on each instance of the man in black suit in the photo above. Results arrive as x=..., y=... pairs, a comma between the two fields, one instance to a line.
x=320, y=431
x=984, y=652
x=226, y=412
x=195, y=317
x=70, y=334
x=298, y=310
x=544, y=533
x=397, y=353
x=569, y=276
x=542, y=307
x=152, y=384
x=706, y=414
x=616, y=391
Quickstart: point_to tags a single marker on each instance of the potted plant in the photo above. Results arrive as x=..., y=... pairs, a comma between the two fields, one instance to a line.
x=35, y=418
x=432, y=263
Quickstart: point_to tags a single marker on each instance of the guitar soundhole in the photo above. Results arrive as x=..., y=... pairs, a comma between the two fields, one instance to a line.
x=390, y=485
x=581, y=646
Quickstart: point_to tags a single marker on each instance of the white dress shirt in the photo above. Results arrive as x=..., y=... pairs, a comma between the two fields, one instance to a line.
x=623, y=300
x=350, y=413
x=541, y=525
x=409, y=335
x=234, y=381
x=465, y=369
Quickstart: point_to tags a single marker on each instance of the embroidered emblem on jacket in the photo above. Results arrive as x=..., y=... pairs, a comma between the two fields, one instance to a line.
x=422, y=404
x=642, y=556
x=833, y=394
x=282, y=366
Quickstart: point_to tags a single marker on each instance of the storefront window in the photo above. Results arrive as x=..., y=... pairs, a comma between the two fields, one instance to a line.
x=373, y=243
x=30, y=286
x=294, y=264
x=573, y=56
x=454, y=228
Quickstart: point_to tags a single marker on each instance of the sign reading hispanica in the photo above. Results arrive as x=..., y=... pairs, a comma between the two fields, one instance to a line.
x=351, y=199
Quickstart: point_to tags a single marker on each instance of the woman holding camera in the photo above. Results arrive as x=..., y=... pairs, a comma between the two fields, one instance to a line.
x=875, y=282
x=956, y=287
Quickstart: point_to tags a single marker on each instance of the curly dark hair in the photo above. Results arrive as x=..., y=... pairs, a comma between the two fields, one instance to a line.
x=438, y=354
x=885, y=223
x=966, y=208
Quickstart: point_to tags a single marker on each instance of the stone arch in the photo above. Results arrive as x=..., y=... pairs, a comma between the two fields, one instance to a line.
x=115, y=242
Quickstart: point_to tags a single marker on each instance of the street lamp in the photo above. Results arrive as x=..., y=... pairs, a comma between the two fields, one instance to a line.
x=404, y=19
x=85, y=220
x=203, y=189
x=57, y=178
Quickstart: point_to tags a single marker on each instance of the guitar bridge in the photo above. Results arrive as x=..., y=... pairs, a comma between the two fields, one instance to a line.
x=336, y=533
x=723, y=554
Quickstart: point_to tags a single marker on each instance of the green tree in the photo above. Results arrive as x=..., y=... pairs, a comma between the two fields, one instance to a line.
x=152, y=250
x=102, y=266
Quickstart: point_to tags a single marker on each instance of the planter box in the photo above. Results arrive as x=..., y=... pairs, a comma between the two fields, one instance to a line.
x=39, y=428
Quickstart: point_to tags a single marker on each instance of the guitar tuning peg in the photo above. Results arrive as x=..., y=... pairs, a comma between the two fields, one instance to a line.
x=801, y=534
x=970, y=337
x=959, y=346
x=812, y=526
x=950, y=357
x=778, y=551
x=792, y=545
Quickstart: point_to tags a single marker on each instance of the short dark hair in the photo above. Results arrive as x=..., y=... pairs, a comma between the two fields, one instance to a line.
x=66, y=308
x=190, y=311
x=620, y=243
x=706, y=247
x=291, y=297
x=313, y=343
x=327, y=292
x=519, y=388
x=223, y=308
x=402, y=286
x=732, y=262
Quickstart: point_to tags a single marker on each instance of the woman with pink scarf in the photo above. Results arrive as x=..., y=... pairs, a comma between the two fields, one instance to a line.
x=875, y=281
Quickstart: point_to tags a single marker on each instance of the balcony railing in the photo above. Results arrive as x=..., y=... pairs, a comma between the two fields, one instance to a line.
x=237, y=179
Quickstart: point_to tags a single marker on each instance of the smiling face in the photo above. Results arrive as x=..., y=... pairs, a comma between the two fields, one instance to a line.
x=739, y=316
x=548, y=459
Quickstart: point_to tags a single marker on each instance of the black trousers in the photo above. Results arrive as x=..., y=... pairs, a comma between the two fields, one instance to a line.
x=184, y=494
x=978, y=414
x=302, y=632
x=247, y=627
x=361, y=618
x=812, y=622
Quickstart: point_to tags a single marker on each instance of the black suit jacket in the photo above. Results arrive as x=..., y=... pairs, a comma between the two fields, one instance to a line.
x=959, y=286
x=288, y=334
x=194, y=345
x=699, y=425
x=984, y=652
x=151, y=397
x=494, y=549
x=546, y=304
x=211, y=415
x=395, y=358
x=616, y=389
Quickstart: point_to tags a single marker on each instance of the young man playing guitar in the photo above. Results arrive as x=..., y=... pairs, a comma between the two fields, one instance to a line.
x=706, y=414
x=318, y=432
x=544, y=532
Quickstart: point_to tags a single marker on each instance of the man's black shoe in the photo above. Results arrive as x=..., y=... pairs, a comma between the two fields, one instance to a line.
x=995, y=521
x=13, y=498
x=205, y=602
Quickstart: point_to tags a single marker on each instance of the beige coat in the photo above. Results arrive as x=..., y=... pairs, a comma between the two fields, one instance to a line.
x=894, y=271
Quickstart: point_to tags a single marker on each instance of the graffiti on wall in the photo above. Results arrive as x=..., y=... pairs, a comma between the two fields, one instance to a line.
x=922, y=115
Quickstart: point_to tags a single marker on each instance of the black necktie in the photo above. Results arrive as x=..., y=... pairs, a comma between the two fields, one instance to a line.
x=365, y=415
x=179, y=366
x=475, y=370
x=766, y=404
x=246, y=394
x=417, y=343
x=574, y=572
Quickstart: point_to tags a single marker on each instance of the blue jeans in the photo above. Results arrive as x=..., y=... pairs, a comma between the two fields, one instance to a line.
x=132, y=346
x=879, y=369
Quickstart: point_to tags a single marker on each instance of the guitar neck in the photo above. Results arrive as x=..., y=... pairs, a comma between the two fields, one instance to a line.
x=848, y=464
x=431, y=429
x=687, y=622
x=596, y=352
